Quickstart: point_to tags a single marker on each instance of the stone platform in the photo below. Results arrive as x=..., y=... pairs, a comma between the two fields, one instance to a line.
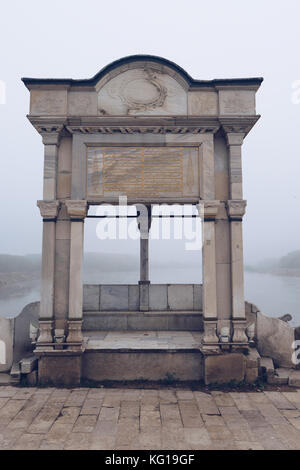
x=188, y=320
x=142, y=355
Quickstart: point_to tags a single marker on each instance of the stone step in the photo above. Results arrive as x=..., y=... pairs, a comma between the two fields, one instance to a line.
x=138, y=321
x=142, y=355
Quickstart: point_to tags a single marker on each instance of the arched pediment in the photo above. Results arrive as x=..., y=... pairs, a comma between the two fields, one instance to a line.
x=142, y=87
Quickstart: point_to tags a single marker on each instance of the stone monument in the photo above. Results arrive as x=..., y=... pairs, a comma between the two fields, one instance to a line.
x=144, y=129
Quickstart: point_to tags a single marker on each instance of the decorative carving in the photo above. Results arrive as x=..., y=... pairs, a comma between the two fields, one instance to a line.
x=48, y=209
x=239, y=334
x=239, y=124
x=142, y=129
x=210, y=333
x=208, y=209
x=236, y=208
x=153, y=93
x=45, y=336
x=75, y=337
x=76, y=209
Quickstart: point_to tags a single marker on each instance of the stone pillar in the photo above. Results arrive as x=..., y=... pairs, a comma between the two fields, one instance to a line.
x=234, y=142
x=77, y=211
x=51, y=142
x=208, y=211
x=144, y=224
x=49, y=211
x=236, y=211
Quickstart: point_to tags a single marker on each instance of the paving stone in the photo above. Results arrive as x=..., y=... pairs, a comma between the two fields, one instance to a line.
x=190, y=414
x=294, y=378
x=28, y=442
x=280, y=377
x=85, y=423
x=280, y=400
x=222, y=399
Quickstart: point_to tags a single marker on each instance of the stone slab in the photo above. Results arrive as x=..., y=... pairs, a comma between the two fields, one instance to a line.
x=114, y=297
x=294, y=379
x=91, y=297
x=158, y=297
x=180, y=297
x=224, y=368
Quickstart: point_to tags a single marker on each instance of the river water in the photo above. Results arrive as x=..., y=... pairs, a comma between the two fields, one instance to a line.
x=274, y=295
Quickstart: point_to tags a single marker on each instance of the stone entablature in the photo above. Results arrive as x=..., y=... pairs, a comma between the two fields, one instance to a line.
x=142, y=85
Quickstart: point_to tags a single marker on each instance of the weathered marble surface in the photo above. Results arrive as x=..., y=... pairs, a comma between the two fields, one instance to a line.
x=142, y=91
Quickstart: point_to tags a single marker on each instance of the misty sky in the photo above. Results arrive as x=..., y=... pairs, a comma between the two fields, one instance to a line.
x=220, y=39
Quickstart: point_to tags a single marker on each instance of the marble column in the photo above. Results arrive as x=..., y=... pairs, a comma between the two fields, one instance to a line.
x=144, y=224
x=236, y=210
x=208, y=211
x=77, y=211
x=51, y=142
x=49, y=211
x=234, y=143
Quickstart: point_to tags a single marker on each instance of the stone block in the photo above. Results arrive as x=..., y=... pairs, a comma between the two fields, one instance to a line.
x=91, y=298
x=108, y=321
x=158, y=299
x=237, y=102
x=275, y=339
x=52, y=102
x=143, y=365
x=180, y=297
x=32, y=379
x=251, y=375
x=224, y=368
x=280, y=377
x=134, y=297
x=266, y=367
x=253, y=359
x=82, y=103
x=197, y=297
x=202, y=103
x=59, y=370
x=147, y=322
x=294, y=378
x=28, y=364
x=114, y=297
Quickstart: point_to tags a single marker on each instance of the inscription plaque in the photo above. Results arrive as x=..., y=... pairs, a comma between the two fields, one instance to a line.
x=142, y=171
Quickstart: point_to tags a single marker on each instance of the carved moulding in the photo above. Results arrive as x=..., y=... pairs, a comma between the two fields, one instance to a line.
x=236, y=208
x=208, y=210
x=76, y=209
x=48, y=209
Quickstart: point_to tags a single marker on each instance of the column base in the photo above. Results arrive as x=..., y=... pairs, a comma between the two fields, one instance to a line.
x=239, y=331
x=210, y=338
x=75, y=338
x=59, y=369
x=144, y=295
x=45, y=339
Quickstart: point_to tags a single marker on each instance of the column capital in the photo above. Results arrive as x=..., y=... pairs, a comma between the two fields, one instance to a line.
x=52, y=134
x=208, y=210
x=234, y=138
x=236, y=208
x=48, y=209
x=77, y=209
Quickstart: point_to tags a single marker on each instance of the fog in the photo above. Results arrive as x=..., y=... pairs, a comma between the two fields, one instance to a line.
x=209, y=40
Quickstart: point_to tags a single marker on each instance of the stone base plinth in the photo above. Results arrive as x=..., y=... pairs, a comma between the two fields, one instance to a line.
x=59, y=370
x=224, y=368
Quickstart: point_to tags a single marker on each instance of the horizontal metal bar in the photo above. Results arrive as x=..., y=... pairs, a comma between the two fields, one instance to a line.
x=172, y=216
